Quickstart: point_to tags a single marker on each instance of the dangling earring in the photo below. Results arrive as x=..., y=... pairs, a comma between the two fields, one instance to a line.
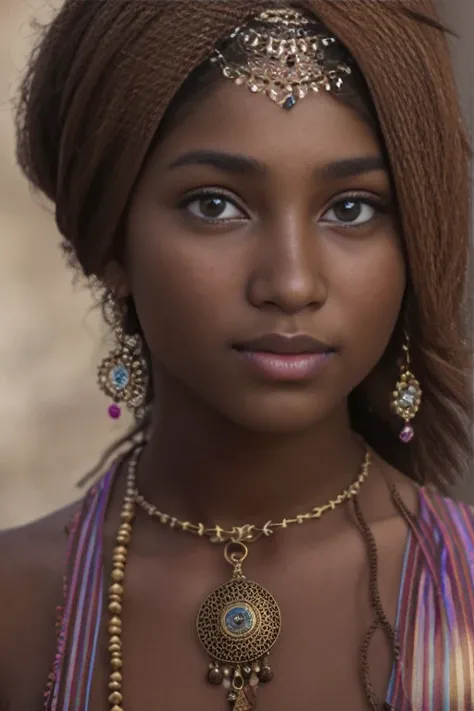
x=406, y=398
x=123, y=374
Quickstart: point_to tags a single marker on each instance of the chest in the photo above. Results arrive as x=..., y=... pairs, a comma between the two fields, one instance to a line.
x=325, y=615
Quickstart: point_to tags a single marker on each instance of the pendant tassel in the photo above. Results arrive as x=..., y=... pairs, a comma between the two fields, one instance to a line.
x=238, y=624
x=246, y=698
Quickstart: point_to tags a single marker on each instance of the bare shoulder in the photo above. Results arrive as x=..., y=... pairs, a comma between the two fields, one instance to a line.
x=32, y=560
x=35, y=550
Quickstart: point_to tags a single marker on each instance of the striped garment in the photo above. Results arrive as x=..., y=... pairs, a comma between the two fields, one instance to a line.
x=435, y=617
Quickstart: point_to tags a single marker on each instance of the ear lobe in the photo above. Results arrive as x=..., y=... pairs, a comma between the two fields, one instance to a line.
x=116, y=280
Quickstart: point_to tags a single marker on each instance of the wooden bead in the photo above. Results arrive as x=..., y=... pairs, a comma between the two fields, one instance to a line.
x=119, y=558
x=215, y=676
x=266, y=674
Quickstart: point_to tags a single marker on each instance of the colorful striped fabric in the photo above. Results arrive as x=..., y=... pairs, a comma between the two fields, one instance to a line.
x=69, y=683
x=435, y=617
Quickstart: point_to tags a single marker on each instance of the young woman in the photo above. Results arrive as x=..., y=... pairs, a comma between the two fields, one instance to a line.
x=273, y=199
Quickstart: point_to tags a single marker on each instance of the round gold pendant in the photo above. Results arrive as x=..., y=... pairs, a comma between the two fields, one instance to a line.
x=239, y=622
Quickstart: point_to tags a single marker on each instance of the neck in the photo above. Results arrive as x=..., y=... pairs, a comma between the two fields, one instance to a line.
x=202, y=468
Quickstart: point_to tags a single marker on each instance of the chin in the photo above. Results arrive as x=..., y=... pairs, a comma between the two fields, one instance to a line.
x=287, y=417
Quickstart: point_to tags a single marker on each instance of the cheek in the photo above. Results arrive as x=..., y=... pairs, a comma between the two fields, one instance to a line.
x=180, y=284
x=368, y=288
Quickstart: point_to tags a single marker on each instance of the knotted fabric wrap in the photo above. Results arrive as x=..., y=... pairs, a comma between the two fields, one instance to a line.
x=129, y=58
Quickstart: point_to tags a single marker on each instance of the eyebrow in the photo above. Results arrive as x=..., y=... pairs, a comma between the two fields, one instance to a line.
x=235, y=164
x=225, y=162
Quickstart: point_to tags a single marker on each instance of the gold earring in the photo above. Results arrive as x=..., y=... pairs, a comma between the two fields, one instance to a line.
x=406, y=398
x=123, y=374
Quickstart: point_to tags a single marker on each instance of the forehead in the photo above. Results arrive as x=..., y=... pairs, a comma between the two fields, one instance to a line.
x=319, y=129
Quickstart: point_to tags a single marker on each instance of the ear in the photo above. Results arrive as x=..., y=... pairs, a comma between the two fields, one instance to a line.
x=116, y=280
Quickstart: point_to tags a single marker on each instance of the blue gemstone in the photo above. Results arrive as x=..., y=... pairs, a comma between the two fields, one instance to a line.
x=120, y=377
x=239, y=620
x=289, y=103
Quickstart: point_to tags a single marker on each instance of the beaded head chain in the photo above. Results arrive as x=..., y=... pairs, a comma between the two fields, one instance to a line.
x=285, y=54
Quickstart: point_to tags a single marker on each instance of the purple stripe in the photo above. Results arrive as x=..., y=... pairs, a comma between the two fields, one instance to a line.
x=94, y=646
x=94, y=616
x=93, y=562
x=460, y=599
x=435, y=610
x=95, y=608
x=396, y=687
x=81, y=569
x=52, y=690
x=70, y=602
x=82, y=586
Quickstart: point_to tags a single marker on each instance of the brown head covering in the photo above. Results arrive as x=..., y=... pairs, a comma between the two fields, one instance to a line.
x=128, y=59
x=105, y=73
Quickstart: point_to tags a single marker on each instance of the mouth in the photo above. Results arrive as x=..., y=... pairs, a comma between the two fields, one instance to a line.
x=285, y=358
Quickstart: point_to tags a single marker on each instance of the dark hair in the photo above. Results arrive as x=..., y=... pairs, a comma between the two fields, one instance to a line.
x=81, y=139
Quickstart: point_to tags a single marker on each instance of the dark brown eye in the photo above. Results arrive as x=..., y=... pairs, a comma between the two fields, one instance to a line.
x=212, y=207
x=348, y=211
x=352, y=212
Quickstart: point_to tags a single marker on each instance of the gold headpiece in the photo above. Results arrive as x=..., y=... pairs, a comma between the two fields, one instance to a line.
x=285, y=54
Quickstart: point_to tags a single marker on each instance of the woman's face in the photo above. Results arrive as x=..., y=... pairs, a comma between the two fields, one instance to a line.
x=256, y=224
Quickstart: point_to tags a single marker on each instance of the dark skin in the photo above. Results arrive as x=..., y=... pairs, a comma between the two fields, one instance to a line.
x=300, y=246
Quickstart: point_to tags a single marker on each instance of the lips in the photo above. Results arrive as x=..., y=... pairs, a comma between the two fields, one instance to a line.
x=285, y=358
x=285, y=345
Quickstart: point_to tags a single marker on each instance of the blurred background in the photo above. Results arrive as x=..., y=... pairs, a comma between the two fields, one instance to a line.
x=53, y=419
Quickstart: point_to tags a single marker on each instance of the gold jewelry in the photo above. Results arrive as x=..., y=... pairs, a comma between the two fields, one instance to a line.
x=407, y=396
x=239, y=623
x=123, y=374
x=249, y=533
x=285, y=54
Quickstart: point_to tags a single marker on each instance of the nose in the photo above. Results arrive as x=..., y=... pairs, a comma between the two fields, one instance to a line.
x=288, y=269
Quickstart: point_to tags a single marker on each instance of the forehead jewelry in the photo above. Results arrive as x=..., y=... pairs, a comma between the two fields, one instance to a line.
x=285, y=54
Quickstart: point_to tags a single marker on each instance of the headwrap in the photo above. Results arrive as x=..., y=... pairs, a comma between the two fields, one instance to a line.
x=128, y=60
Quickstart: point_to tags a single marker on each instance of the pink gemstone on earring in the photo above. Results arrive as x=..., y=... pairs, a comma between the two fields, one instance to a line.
x=407, y=434
x=115, y=411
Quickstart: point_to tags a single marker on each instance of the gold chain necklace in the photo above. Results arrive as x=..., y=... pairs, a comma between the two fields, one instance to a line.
x=239, y=622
